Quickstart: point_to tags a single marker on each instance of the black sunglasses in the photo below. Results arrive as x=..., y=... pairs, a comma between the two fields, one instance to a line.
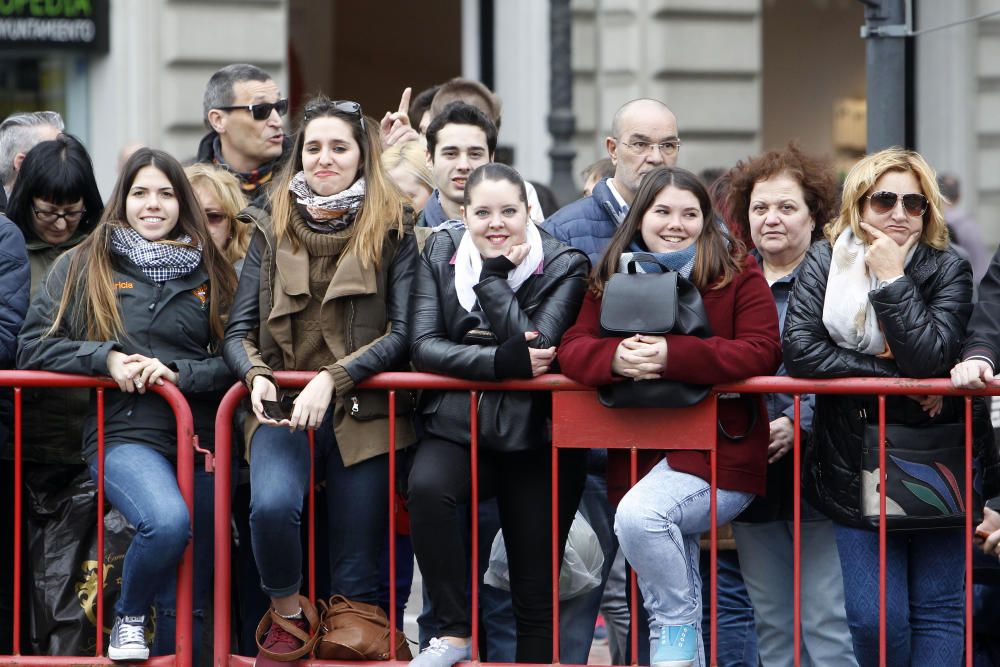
x=261, y=110
x=318, y=107
x=883, y=202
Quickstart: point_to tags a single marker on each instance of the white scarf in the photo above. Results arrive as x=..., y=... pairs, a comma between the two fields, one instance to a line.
x=848, y=314
x=468, y=266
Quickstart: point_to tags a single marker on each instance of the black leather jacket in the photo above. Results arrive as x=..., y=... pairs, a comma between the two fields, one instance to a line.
x=547, y=302
x=923, y=316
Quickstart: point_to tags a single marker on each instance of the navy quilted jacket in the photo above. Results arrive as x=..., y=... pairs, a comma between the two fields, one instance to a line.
x=589, y=223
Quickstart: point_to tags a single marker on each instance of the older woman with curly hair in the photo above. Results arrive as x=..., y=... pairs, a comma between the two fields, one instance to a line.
x=781, y=201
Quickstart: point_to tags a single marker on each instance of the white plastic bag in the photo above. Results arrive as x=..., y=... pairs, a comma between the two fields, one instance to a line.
x=581, y=566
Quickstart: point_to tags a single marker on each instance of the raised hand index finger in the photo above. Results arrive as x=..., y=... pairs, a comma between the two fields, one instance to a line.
x=873, y=231
x=404, y=101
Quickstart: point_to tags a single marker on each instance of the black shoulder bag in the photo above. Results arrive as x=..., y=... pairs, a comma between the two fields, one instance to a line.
x=655, y=304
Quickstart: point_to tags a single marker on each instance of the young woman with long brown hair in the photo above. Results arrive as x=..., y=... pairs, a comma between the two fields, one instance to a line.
x=324, y=287
x=143, y=300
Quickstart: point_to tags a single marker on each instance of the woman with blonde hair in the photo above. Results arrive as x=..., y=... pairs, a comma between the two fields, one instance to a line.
x=325, y=287
x=406, y=165
x=884, y=296
x=222, y=200
x=142, y=299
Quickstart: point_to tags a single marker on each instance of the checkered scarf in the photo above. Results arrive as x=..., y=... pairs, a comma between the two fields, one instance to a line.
x=159, y=260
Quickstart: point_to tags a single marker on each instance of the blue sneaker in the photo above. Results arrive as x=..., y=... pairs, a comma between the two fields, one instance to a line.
x=675, y=647
x=440, y=653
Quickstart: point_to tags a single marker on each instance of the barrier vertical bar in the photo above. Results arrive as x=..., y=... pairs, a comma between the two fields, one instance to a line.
x=184, y=644
x=633, y=582
x=555, y=555
x=713, y=549
x=312, y=515
x=882, y=536
x=99, y=619
x=968, y=531
x=797, y=531
x=474, y=511
x=392, y=524
x=223, y=525
x=18, y=510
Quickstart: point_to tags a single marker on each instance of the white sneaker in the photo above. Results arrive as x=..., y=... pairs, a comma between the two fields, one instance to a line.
x=128, y=639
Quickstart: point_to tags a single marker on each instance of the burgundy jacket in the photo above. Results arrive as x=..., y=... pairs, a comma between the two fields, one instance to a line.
x=746, y=343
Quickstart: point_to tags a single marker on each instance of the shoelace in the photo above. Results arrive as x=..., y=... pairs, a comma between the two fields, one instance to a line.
x=131, y=634
x=437, y=646
x=277, y=634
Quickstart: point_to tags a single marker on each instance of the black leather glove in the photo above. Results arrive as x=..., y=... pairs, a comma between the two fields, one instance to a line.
x=512, y=359
x=496, y=266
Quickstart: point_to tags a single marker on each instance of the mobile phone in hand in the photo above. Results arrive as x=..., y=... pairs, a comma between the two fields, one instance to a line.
x=273, y=410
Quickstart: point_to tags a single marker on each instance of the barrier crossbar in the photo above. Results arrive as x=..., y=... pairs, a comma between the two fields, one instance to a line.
x=186, y=444
x=580, y=422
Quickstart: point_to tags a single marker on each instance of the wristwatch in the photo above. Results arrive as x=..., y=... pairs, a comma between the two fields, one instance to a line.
x=886, y=283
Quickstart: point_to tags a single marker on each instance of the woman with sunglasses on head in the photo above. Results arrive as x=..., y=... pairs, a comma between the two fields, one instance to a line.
x=221, y=199
x=659, y=521
x=325, y=287
x=884, y=296
x=142, y=299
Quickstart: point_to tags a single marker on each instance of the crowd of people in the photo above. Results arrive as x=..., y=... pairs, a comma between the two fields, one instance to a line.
x=357, y=245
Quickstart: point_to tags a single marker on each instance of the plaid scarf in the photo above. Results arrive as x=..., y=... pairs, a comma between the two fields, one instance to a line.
x=327, y=214
x=250, y=181
x=159, y=260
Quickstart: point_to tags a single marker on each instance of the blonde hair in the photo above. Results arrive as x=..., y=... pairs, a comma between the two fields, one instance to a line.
x=383, y=207
x=861, y=180
x=412, y=156
x=227, y=192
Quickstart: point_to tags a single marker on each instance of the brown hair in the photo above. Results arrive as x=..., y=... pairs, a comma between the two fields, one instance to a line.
x=382, y=209
x=90, y=278
x=814, y=175
x=718, y=258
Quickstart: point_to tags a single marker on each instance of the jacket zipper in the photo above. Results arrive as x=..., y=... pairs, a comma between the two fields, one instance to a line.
x=354, y=405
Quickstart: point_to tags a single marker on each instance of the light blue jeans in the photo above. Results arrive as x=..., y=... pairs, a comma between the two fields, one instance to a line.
x=659, y=524
x=767, y=557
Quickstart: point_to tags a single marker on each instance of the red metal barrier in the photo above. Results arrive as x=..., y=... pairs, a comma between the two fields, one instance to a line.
x=580, y=422
x=187, y=443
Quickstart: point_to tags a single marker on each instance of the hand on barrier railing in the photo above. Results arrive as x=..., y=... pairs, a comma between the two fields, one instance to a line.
x=972, y=374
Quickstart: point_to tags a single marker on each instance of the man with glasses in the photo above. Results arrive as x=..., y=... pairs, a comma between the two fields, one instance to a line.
x=643, y=137
x=243, y=110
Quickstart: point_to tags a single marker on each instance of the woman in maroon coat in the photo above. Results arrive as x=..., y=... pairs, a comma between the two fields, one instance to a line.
x=660, y=520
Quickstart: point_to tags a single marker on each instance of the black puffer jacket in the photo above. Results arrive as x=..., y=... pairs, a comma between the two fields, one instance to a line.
x=923, y=316
x=547, y=302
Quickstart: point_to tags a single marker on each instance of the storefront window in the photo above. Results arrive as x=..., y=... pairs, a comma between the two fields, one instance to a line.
x=55, y=81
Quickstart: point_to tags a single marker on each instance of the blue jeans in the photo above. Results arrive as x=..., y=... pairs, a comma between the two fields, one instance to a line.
x=766, y=554
x=659, y=524
x=142, y=484
x=357, y=511
x=925, y=585
x=737, y=638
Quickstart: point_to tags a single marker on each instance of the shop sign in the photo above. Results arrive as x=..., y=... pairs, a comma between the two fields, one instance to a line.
x=60, y=24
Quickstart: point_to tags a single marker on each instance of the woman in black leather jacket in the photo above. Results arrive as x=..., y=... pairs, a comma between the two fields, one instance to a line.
x=884, y=296
x=491, y=303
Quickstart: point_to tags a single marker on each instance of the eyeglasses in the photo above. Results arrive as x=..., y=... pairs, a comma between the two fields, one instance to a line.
x=261, y=110
x=49, y=217
x=666, y=148
x=882, y=202
x=216, y=217
x=321, y=106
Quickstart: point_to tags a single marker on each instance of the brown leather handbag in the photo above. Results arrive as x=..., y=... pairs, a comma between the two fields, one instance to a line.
x=357, y=631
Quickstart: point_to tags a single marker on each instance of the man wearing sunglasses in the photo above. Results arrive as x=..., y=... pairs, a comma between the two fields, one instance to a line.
x=243, y=110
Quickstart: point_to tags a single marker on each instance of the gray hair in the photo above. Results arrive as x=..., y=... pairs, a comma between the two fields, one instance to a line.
x=219, y=91
x=18, y=134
